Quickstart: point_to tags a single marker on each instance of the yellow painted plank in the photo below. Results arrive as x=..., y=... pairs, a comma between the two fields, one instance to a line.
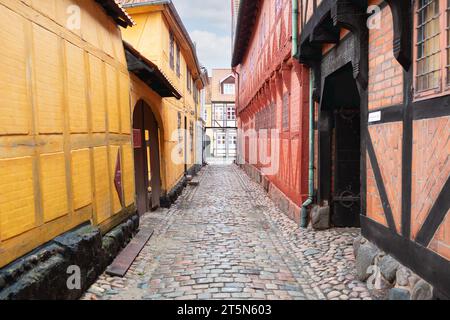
x=17, y=210
x=76, y=88
x=128, y=174
x=97, y=94
x=114, y=153
x=14, y=118
x=49, y=84
x=124, y=86
x=81, y=178
x=53, y=186
x=112, y=99
x=102, y=198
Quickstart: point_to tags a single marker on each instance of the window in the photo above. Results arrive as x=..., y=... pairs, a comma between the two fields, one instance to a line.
x=231, y=113
x=228, y=88
x=171, y=51
x=285, y=112
x=191, y=133
x=178, y=61
x=428, y=45
x=188, y=79
x=448, y=42
x=218, y=112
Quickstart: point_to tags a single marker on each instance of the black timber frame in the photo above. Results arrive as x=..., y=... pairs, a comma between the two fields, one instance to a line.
x=316, y=32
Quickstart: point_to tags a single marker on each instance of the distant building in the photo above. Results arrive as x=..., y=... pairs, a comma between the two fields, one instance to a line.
x=221, y=127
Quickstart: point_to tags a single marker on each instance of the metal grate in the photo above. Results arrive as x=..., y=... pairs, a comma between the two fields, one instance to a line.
x=428, y=46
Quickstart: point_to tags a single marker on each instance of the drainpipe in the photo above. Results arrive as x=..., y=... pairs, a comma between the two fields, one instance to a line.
x=294, y=27
x=309, y=201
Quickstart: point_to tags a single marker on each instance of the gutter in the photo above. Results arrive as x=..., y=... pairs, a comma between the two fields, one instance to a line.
x=295, y=14
x=309, y=201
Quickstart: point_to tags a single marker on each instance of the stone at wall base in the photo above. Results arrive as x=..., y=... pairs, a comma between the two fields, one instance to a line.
x=44, y=273
x=406, y=285
x=422, y=291
x=320, y=218
x=388, y=267
x=399, y=294
x=364, y=259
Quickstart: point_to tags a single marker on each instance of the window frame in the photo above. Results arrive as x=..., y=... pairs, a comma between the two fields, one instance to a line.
x=444, y=84
x=171, y=50
x=178, y=59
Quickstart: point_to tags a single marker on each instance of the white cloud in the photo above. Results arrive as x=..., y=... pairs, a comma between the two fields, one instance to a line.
x=209, y=25
x=215, y=13
x=213, y=50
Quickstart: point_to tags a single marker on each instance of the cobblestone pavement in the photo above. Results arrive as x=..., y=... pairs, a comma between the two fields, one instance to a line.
x=225, y=239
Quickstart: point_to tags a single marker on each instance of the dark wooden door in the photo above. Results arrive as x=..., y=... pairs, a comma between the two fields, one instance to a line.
x=346, y=200
x=146, y=156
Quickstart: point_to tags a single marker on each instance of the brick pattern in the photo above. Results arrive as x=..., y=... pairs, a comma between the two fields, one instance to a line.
x=374, y=205
x=387, y=142
x=441, y=241
x=385, y=73
x=430, y=166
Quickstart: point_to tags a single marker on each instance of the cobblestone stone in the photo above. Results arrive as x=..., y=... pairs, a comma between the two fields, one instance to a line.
x=226, y=239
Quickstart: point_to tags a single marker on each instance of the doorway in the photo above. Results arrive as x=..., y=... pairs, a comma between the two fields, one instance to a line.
x=146, y=158
x=340, y=148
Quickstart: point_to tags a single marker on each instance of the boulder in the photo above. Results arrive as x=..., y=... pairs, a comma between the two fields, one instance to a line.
x=422, y=291
x=402, y=276
x=320, y=218
x=399, y=294
x=365, y=258
x=388, y=267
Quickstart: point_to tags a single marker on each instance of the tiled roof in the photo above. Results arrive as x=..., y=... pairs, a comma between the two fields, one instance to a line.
x=114, y=9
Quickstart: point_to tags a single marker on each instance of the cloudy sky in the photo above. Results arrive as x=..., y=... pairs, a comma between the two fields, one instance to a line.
x=209, y=24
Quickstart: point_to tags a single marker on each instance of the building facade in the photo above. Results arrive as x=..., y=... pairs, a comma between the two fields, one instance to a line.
x=88, y=135
x=221, y=128
x=272, y=103
x=66, y=147
x=379, y=134
x=160, y=36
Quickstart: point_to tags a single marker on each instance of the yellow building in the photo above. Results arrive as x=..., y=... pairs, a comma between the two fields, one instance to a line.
x=160, y=37
x=65, y=135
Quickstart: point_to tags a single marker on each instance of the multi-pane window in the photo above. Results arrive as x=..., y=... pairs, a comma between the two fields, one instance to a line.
x=178, y=61
x=188, y=79
x=428, y=45
x=229, y=88
x=172, y=51
x=231, y=113
x=285, y=112
x=448, y=42
x=218, y=113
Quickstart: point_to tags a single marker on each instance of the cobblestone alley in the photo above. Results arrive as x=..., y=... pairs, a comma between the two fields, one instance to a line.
x=225, y=239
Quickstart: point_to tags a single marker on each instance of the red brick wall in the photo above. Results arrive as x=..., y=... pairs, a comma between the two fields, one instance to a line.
x=387, y=142
x=430, y=171
x=385, y=73
x=268, y=73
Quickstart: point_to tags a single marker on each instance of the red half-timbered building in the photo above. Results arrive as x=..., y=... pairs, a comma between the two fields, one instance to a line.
x=272, y=94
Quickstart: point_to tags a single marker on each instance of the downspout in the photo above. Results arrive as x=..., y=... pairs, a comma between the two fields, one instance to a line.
x=309, y=201
x=295, y=28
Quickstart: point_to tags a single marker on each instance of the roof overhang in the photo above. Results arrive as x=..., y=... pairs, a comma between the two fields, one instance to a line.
x=248, y=12
x=115, y=10
x=170, y=12
x=227, y=77
x=149, y=73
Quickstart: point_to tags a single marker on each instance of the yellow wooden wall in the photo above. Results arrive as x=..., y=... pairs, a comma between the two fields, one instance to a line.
x=64, y=119
x=151, y=37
